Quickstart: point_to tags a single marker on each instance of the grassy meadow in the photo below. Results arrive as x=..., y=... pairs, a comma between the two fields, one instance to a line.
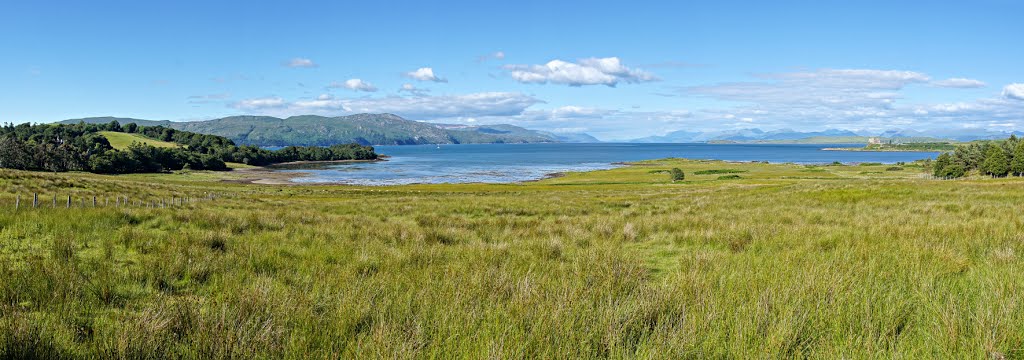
x=744, y=260
x=121, y=140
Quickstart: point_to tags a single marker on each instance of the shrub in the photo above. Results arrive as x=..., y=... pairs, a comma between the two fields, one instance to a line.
x=729, y=177
x=952, y=171
x=678, y=175
x=894, y=168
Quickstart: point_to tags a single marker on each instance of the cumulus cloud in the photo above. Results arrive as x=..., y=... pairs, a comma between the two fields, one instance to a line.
x=354, y=85
x=300, y=63
x=591, y=71
x=1014, y=91
x=417, y=108
x=425, y=74
x=959, y=83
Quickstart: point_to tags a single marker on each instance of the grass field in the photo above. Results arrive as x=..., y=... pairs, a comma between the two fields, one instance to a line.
x=786, y=261
x=121, y=141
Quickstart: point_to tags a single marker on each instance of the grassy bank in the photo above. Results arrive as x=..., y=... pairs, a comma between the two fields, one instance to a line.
x=784, y=261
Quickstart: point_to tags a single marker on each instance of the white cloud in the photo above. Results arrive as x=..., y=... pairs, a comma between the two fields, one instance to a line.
x=300, y=63
x=412, y=89
x=591, y=71
x=206, y=99
x=424, y=74
x=575, y=112
x=1014, y=91
x=259, y=103
x=498, y=55
x=828, y=88
x=960, y=83
x=355, y=85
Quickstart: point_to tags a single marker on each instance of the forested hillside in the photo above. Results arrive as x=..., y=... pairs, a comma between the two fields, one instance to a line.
x=83, y=147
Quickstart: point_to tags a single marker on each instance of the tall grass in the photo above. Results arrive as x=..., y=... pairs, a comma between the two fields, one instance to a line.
x=780, y=263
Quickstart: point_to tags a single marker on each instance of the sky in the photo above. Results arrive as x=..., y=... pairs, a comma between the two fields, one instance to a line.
x=616, y=70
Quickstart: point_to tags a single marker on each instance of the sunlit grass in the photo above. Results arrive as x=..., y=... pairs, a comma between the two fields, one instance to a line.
x=121, y=140
x=788, y=261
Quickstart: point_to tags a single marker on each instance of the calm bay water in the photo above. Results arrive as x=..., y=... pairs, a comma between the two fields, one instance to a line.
x=501, y=163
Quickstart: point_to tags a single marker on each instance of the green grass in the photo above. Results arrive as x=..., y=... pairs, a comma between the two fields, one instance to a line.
x=121, y=141
x=840, y=262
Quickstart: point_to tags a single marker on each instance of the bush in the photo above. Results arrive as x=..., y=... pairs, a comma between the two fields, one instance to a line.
x=677, y=175
x=729, y=177
x=894, y=168
x=952, y=171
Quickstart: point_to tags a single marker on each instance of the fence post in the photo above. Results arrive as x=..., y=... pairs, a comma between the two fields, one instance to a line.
x=17, y=202
x=35, y=200
x=54, y=201
x=93, y=201
x=69, y=202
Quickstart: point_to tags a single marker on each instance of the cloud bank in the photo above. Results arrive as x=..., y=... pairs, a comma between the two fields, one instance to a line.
x=495, y=104
x=959, y=83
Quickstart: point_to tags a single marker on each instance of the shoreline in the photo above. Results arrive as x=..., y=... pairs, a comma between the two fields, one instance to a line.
x=272, y=174
x=309, y=162
x=879, y=150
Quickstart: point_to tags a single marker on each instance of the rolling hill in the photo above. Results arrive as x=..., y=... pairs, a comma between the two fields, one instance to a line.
x=366, y=129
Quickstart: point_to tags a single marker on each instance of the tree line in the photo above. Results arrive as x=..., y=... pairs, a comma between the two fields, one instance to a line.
x=81, y=147
x=993, y=158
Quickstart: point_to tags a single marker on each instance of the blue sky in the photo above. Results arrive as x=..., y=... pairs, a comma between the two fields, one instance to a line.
x=617, y=70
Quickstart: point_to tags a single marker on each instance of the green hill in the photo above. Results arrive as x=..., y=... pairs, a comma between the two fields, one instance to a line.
x=367, y=129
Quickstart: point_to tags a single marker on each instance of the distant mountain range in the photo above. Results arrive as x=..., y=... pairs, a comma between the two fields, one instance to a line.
x=833, y=136
x=367, y=129
x=388, y=129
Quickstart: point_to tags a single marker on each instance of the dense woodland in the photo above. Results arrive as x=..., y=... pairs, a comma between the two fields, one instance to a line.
x=81, y=147
x=993, y=158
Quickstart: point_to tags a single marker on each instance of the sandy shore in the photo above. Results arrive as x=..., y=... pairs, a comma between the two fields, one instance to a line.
x=271, y=174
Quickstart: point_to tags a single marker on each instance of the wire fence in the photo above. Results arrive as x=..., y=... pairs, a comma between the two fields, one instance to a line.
x=55, y=201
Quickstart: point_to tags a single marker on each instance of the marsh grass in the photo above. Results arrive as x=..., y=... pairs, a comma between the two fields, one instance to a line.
x=617, y=263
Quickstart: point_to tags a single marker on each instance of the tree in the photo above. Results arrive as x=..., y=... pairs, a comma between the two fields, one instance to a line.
x=677, y=175
x=1017, y=164
x=941, y=163
x=131, y=128
x=996, y=162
